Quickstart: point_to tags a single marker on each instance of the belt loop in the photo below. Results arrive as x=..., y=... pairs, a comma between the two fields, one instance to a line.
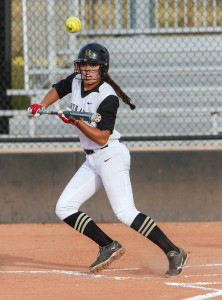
x=87, y=151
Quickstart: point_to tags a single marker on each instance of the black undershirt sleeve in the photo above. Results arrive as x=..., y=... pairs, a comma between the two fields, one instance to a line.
x=108, y=110
x=64, y=86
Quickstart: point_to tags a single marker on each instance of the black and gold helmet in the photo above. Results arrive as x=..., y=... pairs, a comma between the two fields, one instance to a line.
x=93, y=53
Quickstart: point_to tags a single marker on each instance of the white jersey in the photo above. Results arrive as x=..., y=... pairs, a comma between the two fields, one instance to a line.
x=104, y=166
x=101, y=99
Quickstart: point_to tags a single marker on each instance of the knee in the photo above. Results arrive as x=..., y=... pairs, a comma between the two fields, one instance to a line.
x=59, y=210
x=63, y=211
x=127, y=216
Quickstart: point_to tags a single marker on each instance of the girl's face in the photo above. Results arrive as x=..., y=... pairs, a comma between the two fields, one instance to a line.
x=90, y=74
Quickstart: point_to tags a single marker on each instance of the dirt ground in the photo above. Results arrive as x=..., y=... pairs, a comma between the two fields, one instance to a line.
x=51, y=261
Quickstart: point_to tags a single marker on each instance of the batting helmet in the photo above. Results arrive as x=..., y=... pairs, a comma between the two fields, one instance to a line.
x=93, y=53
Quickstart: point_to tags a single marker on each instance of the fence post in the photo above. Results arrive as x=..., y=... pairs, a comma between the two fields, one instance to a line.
x=5, y=61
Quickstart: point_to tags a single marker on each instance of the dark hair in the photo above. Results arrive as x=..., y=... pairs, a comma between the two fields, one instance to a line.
x=120, y=93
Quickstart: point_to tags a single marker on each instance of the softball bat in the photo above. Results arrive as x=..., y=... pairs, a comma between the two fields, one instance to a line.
x=93, y=117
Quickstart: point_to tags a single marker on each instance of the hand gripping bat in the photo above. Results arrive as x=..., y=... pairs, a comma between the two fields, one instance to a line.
x=70, y=114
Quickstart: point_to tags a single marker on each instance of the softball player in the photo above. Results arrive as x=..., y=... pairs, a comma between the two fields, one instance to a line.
x=107, y=160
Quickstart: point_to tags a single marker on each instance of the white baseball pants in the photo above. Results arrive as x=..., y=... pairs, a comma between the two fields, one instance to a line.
x=108, y=167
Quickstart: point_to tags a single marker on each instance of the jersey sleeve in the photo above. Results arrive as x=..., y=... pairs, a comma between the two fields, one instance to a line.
x=64, y=86
x=108, y=110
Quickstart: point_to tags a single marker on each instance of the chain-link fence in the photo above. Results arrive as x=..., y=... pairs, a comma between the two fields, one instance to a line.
x=166, y=55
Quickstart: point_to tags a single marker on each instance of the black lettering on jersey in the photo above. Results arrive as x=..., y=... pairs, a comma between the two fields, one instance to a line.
x=74, y=107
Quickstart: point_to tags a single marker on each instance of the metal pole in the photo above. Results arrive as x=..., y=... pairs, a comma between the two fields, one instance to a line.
x=25, y=45
x=5, y=61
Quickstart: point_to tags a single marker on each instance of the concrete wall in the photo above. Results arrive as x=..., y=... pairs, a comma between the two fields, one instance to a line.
x=168, y=186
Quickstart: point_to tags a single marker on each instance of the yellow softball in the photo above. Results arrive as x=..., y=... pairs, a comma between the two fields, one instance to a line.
x=73, y=24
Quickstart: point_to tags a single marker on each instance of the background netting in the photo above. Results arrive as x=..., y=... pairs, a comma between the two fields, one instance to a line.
x=166, y=55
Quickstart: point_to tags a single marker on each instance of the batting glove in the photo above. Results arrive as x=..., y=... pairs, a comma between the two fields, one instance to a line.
x=67, y=121
x=34, y=107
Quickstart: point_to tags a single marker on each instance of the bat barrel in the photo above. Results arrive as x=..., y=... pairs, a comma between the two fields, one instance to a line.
x=84, y=115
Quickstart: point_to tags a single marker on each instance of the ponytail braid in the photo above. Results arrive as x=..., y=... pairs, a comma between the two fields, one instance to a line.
x=120, y=93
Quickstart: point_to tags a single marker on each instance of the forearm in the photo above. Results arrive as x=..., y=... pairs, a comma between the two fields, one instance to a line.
x=96, y=135
x=50, y=98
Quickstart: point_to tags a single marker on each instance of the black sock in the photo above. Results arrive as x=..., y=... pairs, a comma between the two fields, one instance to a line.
x=85, y=225
x=147, y=227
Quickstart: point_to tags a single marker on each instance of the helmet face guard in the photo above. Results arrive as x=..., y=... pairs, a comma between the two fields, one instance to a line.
x=93, y=53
